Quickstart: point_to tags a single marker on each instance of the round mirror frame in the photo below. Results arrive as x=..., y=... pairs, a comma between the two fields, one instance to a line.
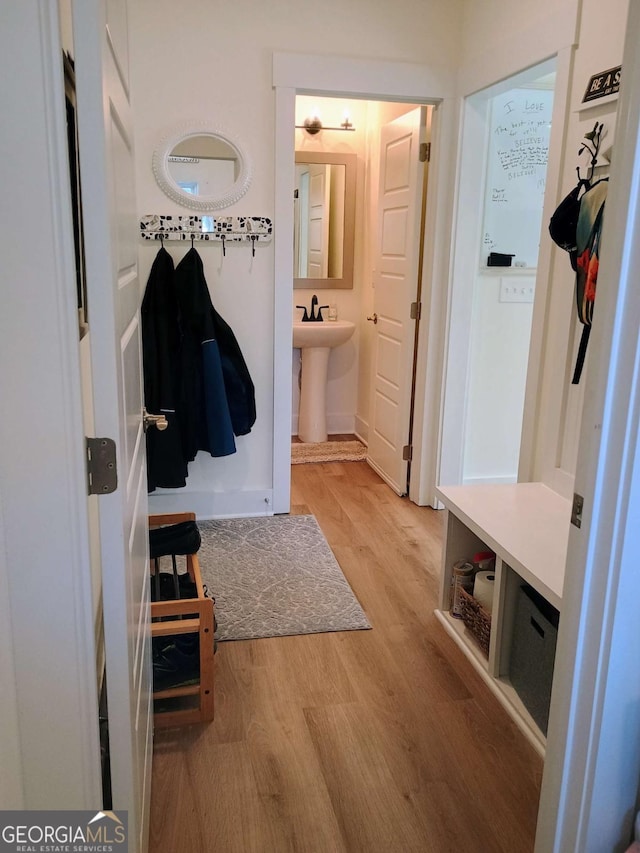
x=160, y=165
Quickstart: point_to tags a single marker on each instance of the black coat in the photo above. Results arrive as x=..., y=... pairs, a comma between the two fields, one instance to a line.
x=166, y=463
x=208, y=379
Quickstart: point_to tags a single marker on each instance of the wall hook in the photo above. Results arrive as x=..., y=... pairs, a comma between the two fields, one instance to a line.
x=224, y=249
x=192, y=239
x=253, y=245
x=592, y=146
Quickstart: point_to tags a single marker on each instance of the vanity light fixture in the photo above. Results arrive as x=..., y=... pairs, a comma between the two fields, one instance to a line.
x=313, y=125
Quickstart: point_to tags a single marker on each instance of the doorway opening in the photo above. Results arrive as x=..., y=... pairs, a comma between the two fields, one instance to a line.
x=370, y=386
x=505, y=144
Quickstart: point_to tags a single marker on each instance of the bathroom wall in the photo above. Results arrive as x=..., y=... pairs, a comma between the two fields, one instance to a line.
x=213, y=62
x=349, y=379
x=342, y=378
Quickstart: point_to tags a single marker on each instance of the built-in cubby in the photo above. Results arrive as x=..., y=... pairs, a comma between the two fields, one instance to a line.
x=527, y=526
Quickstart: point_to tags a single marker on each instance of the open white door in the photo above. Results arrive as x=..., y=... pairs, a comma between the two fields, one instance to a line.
x=396, y=283
x=318, y=225
x=113, y=295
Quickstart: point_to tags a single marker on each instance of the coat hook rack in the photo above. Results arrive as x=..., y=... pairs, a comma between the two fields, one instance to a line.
x=592, y=146
x=208, y=229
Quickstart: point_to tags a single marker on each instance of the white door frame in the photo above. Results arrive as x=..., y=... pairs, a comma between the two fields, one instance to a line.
x=50, y=738
x=465, y=266
x=331, y=76
x=592, y=773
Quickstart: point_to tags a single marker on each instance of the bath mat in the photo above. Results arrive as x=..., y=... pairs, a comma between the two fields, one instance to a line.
x=274, y=577
x=328, y=451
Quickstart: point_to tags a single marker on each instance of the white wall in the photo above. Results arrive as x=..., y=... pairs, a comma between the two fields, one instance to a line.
x=498, y=352
x=213, y=62
x=555, y=411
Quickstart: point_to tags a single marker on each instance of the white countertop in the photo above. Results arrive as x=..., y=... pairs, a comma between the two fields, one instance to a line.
x=526, y=524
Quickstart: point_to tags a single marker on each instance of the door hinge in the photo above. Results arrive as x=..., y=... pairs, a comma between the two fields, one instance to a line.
x=407, y=452
x=425, y=152
x=102, y=471
x=416, y=310
x=576, y=510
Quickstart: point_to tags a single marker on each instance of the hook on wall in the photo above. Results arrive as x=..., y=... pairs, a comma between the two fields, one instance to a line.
x=592, y=145
x=207, y=229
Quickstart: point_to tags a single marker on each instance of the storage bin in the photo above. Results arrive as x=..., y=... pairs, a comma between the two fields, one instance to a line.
x=533, y=653
x=476, y=619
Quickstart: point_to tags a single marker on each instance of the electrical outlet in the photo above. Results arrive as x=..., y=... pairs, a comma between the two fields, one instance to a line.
x=512, y=290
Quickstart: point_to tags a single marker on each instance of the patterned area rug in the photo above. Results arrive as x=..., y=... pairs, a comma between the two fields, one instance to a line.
x=328, y=451
x=274, y=577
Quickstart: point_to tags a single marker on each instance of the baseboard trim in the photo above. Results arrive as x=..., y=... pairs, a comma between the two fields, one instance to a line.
x=505, y=478
x=362, y=430
x=211, y=505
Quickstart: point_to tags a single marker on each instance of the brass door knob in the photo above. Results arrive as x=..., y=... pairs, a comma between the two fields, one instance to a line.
x=158, y=421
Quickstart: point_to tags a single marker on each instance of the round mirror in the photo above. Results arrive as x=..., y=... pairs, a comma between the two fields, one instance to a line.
x=202, y=168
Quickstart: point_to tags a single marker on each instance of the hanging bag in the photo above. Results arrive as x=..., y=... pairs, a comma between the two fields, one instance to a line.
x=576, y=227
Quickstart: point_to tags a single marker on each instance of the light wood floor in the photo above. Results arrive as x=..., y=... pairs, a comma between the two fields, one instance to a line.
x=381, y=740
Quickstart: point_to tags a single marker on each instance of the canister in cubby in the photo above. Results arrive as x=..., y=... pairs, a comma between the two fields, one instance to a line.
x=461, y=578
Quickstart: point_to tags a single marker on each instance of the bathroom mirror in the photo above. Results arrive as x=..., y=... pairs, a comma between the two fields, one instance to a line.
x=201, y=167
x=324, y=219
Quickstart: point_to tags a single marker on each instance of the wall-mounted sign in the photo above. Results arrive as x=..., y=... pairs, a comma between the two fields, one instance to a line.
x=603, y=84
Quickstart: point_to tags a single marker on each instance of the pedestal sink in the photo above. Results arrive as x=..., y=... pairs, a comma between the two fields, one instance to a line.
x=315, y=341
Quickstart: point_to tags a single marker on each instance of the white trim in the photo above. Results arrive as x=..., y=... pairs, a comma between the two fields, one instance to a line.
x=208, y=505
x=469, y=180
x=283, y=296
x=43, y=478
x=590, y=783
x=476, y=481
x=368, y=78
x=430, y=360
x=537, y=412
x=372, y=80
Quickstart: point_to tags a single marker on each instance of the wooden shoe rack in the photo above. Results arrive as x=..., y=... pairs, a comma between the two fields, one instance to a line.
x=185, y=616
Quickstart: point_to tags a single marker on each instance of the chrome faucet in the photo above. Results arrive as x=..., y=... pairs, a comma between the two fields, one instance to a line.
x=311, y=316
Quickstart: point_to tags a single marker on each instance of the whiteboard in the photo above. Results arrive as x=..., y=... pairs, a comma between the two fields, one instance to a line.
x=517, y=154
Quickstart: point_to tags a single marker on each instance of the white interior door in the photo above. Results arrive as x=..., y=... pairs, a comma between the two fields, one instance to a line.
x=318, y=229
x=113, y=295
x=395, y=283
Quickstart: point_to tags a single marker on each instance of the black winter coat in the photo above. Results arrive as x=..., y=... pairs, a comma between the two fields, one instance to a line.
x=207, y=377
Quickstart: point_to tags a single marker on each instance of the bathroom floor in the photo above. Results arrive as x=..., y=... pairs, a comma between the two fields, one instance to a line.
x=356, y=741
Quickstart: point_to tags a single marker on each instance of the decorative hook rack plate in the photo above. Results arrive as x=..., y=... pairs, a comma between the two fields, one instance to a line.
x=215, y=229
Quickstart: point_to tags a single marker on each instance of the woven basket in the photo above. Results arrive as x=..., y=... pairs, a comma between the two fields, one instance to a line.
x=475, y=618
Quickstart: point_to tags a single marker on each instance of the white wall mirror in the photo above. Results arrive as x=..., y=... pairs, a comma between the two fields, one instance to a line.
x=201, y=167
x=324, y=219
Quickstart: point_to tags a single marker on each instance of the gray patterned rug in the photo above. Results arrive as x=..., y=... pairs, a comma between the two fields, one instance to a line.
x=273, y=577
